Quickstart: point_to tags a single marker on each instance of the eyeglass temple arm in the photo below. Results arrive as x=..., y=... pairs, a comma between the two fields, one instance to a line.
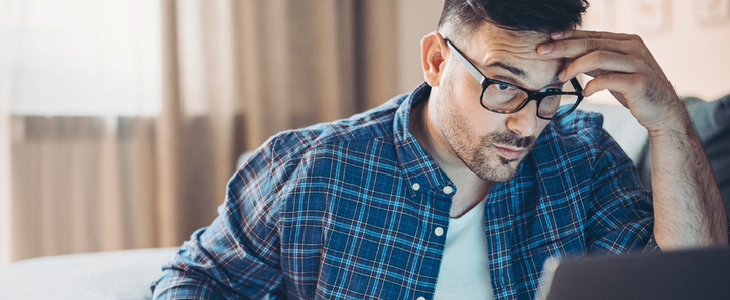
x=478, y=75
x=469, y=66
x=576, y=84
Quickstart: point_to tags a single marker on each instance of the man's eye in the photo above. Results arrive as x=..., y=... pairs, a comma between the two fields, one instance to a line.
x=504, y=87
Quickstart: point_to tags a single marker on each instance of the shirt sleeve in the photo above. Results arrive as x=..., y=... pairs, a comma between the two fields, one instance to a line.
x=621, y=218
x=237, y=256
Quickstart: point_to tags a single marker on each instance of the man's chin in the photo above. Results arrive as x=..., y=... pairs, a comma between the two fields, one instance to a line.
x=510, y=162
x=503, y=173
x=501, y=178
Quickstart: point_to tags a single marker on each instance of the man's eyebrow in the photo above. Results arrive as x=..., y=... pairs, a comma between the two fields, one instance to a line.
x=518, y=72
x=514, y=70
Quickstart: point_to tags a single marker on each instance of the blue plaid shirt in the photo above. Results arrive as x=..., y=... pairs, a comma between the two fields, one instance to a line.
x=348, y=210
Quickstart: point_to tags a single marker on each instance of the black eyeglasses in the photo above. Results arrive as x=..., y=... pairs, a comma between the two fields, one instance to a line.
x=506, y=98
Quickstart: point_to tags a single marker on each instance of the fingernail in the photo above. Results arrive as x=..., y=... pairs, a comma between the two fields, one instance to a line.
x=545, y=49
x=561, y=75
x=557, y=34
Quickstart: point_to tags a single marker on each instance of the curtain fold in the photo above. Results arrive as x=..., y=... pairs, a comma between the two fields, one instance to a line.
x=73, y=188
x=168, y=142
x=196, y=149
x=297, y=64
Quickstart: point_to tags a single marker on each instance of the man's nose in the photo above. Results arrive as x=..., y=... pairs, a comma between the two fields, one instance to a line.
x=524, y=121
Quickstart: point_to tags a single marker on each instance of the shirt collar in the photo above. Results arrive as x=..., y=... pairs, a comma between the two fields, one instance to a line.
x=418, y=166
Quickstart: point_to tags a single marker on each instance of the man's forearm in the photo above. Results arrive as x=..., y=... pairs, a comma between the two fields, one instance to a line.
x=688, y=207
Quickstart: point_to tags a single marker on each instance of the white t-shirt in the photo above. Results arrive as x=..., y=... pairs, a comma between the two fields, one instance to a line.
x=464, y=272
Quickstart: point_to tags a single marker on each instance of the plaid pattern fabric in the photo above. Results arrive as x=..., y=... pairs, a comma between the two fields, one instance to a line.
x=349, y=210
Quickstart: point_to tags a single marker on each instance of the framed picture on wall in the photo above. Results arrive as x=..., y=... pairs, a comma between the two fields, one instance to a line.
x=652, y=16
x=711, y=12
x=601, y=16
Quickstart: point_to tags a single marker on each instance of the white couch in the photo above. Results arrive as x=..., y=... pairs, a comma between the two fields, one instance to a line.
x=119, y=275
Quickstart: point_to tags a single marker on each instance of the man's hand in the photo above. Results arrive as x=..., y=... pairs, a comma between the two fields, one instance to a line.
x=688, y=208
x=621, y=64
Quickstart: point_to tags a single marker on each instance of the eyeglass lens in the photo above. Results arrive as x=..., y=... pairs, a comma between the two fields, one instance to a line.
x=502, y=97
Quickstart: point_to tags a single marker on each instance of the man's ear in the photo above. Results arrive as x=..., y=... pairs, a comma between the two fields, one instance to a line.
x=433, y=47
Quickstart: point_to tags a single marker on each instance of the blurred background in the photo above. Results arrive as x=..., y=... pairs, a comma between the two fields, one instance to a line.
x=121, y=121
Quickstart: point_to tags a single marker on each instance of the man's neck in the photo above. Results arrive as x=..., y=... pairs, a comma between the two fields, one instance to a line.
x=471, y=190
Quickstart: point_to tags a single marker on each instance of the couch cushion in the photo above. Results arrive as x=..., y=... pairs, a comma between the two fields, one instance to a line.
x=102, y=275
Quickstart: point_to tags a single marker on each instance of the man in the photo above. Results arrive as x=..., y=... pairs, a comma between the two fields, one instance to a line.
x=462, y=189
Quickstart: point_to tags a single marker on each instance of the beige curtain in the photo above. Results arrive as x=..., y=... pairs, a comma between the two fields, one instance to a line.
x=234, y=72
x=303, y=62
x=237, y=72
x=195, y=145
x=80, y=184
x=81, y=179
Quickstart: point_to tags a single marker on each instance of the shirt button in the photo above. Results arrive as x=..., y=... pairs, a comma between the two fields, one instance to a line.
x=448, y=190
x=439, y=231
x=416, y=186
x=420, y=298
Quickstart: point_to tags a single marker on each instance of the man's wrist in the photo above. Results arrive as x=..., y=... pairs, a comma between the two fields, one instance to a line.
x=676, y=123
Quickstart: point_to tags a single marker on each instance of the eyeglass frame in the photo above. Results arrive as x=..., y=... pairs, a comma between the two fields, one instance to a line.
x=531, y=95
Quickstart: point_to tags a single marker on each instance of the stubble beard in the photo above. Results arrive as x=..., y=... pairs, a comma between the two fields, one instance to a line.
x=478, y=154
x=489, y=165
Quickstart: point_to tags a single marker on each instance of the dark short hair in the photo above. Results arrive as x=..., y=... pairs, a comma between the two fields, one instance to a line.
x=522, y=15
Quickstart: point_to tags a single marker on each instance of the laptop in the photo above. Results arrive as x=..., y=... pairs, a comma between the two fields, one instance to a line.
x=687, y=274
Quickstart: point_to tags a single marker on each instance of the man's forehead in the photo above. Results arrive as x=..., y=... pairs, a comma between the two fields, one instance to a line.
x=514, y=51
x=522, y=43
x=522, y=34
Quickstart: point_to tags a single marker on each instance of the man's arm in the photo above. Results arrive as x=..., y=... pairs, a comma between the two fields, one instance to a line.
x=688, y=207
x=237, y=256
x=687, y=202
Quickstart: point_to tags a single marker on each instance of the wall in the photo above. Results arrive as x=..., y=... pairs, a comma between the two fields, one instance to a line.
x=693, y=53
x=417, y=18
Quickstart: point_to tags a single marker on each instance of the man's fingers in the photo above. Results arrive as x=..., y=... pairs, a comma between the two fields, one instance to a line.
x=603, y=61
x=583, y=34
x=614, y=82
x=577, y=47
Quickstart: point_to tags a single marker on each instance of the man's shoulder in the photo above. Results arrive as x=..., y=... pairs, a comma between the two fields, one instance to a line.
x=579, y=122
x=579, y=135
x=315, y=152
x=576, y=150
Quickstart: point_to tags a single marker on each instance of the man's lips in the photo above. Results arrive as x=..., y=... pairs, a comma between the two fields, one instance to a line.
x=509, y=152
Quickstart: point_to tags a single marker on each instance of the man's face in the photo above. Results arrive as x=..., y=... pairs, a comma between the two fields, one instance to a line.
x=492, y=145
